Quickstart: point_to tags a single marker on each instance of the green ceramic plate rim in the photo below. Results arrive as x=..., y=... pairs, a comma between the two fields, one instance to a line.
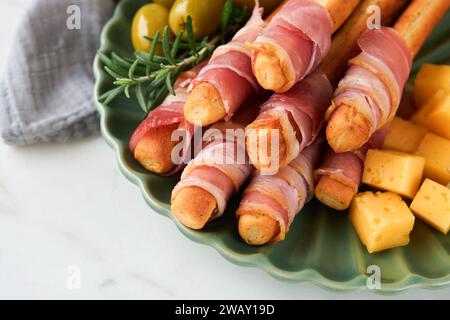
x=256, y=260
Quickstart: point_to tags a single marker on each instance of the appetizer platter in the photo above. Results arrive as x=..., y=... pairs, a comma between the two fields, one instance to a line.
x=308, y=138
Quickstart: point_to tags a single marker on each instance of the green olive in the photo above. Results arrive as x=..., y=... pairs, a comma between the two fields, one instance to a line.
x=268, y=5
x=205, y=16
x=147, y=21
x=167, y=3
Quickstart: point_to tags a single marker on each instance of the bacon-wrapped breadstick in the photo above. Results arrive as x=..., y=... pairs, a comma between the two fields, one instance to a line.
x=216, y=173
x=368, y=97
x=344, y=43
x=299, y=112
x=296, y=40
x=282, y=120
x=227, y=81
x=271, y=202
x=340, y=174
x=152, y=141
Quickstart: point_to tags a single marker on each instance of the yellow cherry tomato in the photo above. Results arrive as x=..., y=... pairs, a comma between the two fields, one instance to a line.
x=148, y=20
x=269, y=5
x=167, y=3
x=205, y=14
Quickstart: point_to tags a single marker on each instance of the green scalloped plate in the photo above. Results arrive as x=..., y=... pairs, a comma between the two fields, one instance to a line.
x=321, y=246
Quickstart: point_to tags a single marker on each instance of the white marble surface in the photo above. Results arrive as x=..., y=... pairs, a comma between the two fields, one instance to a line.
x=65, y=205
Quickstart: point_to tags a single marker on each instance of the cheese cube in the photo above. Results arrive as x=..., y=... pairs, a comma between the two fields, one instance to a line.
x=420, y=115
x=404, y=136
x=382, y=220
x=435, y=115
x=430, y=79
x=436, y=151
x=432, y=205
x=393, y=171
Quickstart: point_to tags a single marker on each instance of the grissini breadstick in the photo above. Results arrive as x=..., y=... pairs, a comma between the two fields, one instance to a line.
x=227, y=81
x=270, y=202
x=152, y=141
x=216, y=173
x=419, y=20
x=257, y=227
x=342, y=49
x=151, y=150
x=368, y=96
x=300, y=113
x=339, y=175
x=307, y=102
x=296, y=40
x=344, y=43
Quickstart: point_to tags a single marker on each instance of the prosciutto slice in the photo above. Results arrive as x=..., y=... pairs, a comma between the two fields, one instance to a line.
x=376, y=77
x=347, y=167
x=300, y=32
x=222, y=166
x=168, y=113
x=230, y=70
x=305, y=104
x=283, y=195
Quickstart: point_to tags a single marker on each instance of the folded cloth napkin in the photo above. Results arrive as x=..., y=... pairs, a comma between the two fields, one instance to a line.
x=46, y=93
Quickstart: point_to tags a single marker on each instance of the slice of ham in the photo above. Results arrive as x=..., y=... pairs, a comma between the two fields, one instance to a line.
x=306, y=104
x=300, y=32
x=229, y=69
x=222, y=166
x=347, y=168
x=168, y=113
x=375, y=80
x=283, y=195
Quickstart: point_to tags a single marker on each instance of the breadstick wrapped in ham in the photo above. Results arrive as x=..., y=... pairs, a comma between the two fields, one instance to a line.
x=368, y=97
x=227, y=81
x=152, y=141
x=270, y=202
x=296, y=40
x=340, y=174
x=295, y=116
x=292, y=136
x=374, y=83
x=344, y=44
x=216, y=173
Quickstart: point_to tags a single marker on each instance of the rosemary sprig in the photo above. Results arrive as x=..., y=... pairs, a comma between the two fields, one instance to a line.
x=151, y=77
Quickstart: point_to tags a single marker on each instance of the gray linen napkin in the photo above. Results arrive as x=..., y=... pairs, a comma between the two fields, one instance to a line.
x=46, y=93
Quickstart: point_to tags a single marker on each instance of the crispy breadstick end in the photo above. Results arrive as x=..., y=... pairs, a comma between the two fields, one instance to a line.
x=257, y=229
x=268, y=66
x=347, y=129
x=193, y=207
x=259, y=160
x=152, y=150
x=204, y=105
x=334, y=194
x=269, y=71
